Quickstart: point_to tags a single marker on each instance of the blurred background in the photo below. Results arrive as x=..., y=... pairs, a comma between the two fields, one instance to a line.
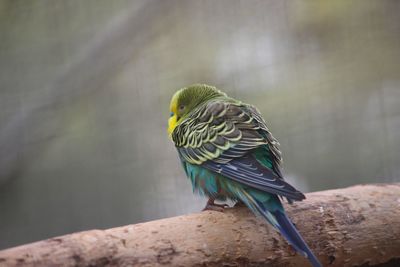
x=85, y=89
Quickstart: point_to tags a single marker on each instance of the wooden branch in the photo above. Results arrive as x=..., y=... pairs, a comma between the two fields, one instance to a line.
x=355, y=226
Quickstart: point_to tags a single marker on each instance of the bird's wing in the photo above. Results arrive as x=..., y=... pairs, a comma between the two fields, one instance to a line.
x=231, y=139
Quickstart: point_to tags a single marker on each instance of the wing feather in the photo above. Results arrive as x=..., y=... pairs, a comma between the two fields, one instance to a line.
x=222, y=135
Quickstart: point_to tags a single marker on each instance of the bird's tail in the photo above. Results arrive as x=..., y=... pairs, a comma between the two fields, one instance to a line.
x=289, y=231
x=274, y=213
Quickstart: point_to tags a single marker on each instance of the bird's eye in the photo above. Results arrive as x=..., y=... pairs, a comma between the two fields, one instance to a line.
x=171, y=114
x=181, y=107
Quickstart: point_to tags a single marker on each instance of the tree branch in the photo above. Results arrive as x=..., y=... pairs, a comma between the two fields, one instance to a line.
x=355, y=226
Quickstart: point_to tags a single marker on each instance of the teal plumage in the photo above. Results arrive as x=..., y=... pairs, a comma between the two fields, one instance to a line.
x=227, y=151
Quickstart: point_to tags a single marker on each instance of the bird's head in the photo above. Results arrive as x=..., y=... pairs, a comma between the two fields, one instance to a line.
x=187, y=99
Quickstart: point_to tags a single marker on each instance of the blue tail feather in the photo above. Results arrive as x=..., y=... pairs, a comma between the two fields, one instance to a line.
x=272, y=210
x=289, y=231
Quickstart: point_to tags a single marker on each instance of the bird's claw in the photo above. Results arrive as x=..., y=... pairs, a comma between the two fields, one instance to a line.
x=215, y=207
x=239, y=204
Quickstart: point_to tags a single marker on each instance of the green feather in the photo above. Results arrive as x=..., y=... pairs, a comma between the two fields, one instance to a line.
x=263, y=155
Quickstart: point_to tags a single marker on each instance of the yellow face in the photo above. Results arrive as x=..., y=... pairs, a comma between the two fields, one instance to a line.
x=173, y=120
x=186, y=100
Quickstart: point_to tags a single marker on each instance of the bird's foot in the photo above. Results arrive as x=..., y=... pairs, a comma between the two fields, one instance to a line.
x=214, y=206
x=239, y=204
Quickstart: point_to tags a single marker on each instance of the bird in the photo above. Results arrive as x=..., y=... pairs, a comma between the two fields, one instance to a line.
x=228, y=152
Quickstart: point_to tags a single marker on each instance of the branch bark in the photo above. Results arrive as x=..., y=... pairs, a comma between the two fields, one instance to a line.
x=356, y=226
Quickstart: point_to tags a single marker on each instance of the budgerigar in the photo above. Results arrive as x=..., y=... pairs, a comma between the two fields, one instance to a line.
x=228, y=152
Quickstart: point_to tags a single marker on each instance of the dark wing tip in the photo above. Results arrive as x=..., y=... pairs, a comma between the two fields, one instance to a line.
x=248, y=171
x=299, y=196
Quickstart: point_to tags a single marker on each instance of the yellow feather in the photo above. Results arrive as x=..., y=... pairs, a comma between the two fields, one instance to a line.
x=173, y=120
x=172, y=123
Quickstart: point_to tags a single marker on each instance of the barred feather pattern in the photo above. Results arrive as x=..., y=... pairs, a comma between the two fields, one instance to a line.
x=222, y=135
x=218, y=126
